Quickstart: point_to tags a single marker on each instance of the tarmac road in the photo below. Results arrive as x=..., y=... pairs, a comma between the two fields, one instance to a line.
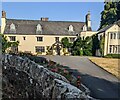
x=102, y=84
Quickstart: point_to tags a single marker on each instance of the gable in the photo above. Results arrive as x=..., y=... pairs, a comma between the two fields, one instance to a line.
x=113, y=28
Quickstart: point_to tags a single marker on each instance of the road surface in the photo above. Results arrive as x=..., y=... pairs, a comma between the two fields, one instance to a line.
x=101, y=84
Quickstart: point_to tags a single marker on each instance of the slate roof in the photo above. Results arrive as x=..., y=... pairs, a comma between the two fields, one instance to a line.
x=48, y=27
x=107, y=27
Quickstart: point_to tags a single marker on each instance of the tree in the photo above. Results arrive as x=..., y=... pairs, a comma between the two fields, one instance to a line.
x=77, y=47
x=82, y=47
x=110, y=14
x=6, y=44
x=65, y=42
x=118, y=10
x=94, y=46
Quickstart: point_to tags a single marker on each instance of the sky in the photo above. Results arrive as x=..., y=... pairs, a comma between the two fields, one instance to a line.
x=56, y=11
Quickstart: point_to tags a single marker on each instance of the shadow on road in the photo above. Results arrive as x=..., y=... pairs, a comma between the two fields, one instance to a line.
x=106, y=90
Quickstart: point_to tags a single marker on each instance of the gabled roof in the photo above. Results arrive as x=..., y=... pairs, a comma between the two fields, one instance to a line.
x=118, y=23
x=107, y=27
x=48, y=27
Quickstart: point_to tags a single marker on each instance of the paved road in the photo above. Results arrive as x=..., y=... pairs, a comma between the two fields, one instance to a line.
x=102, y=84
x=0, y=82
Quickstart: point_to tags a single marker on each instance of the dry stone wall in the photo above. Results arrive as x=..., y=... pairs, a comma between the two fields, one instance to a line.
x=23, y=78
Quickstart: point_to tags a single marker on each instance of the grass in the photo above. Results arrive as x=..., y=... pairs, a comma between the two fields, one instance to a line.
x=109, y=64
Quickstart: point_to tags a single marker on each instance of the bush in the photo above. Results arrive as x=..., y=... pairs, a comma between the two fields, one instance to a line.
x=113, y=56
x=24, y=54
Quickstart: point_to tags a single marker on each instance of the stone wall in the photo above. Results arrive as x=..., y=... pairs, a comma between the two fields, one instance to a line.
x=23, y=78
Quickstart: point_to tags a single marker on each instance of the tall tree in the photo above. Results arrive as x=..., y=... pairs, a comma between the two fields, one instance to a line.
x=110, y=14
x=118, y=10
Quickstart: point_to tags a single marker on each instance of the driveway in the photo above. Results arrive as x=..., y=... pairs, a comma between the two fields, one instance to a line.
x=102, y=84
x=0, y=83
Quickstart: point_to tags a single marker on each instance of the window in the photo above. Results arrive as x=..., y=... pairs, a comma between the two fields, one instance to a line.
x=40, y=49
x=24, y=38
x=114, y=35
x=110, y=49
x=12, y=28
x=116, y=49
x=118, y=35
x=119, y=49
x=72, y=39
x=111, y=35
x=39, y=28
x=39, y=38
x=57, y=39
x=84, y=28
x=14, y=49
x=12, y=38
x=71, y=28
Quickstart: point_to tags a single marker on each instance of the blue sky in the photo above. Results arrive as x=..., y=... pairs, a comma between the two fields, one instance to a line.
x=59, y=11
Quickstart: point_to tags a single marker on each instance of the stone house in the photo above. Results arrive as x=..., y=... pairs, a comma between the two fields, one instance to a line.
x=41, y=36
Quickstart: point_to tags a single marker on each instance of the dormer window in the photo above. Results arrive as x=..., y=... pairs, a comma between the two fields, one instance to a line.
x=70, y=28
x=12, y=28
x=84, y=28
x=39, y=28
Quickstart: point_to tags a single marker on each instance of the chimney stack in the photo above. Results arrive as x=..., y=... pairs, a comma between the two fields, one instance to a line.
x=88, y=21
x=44, y=19
x=3, y=14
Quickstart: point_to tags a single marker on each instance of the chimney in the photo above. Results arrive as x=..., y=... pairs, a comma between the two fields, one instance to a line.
x=88, y=21
x=3, y=14
x=44, y=19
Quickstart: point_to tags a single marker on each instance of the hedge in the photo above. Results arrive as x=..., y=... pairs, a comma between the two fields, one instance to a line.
x=112, y=56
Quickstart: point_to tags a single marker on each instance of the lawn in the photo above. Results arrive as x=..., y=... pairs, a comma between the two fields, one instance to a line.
x=109, y=64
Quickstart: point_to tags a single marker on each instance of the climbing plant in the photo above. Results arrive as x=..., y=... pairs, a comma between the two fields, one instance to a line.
x=102, y=42
x=6, y=44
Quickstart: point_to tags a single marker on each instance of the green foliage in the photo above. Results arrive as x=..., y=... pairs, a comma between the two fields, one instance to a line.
x=82, y=47
x=118, y=10
x=49, y=51
x=6, y=44
x=65, y=42
x=110, y=14
x=102, y=45
x=95, y=44
x=113, y=56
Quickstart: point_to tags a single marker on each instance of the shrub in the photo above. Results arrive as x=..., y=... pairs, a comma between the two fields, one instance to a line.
x=113, y=56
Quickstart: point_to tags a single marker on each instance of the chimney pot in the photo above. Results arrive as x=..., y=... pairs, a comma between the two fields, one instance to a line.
x=44, y=19
x=3, y=14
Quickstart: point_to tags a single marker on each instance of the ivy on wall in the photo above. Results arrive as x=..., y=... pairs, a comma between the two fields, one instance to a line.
x=102, y=42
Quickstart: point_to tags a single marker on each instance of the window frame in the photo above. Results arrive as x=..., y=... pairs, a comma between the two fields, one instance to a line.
x=114, y=36
x=39, y=49
x=39, y=39
x=111, y=35
x=24, y=37
x=12, y=38
x=57, y=39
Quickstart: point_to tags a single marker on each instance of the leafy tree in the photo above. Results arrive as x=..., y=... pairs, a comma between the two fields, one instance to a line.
x=94, y=46
x=65, y=42
x=77, y=47
x=118, y=10
x=6, y=44
x=110, y=14
x=82, y=47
